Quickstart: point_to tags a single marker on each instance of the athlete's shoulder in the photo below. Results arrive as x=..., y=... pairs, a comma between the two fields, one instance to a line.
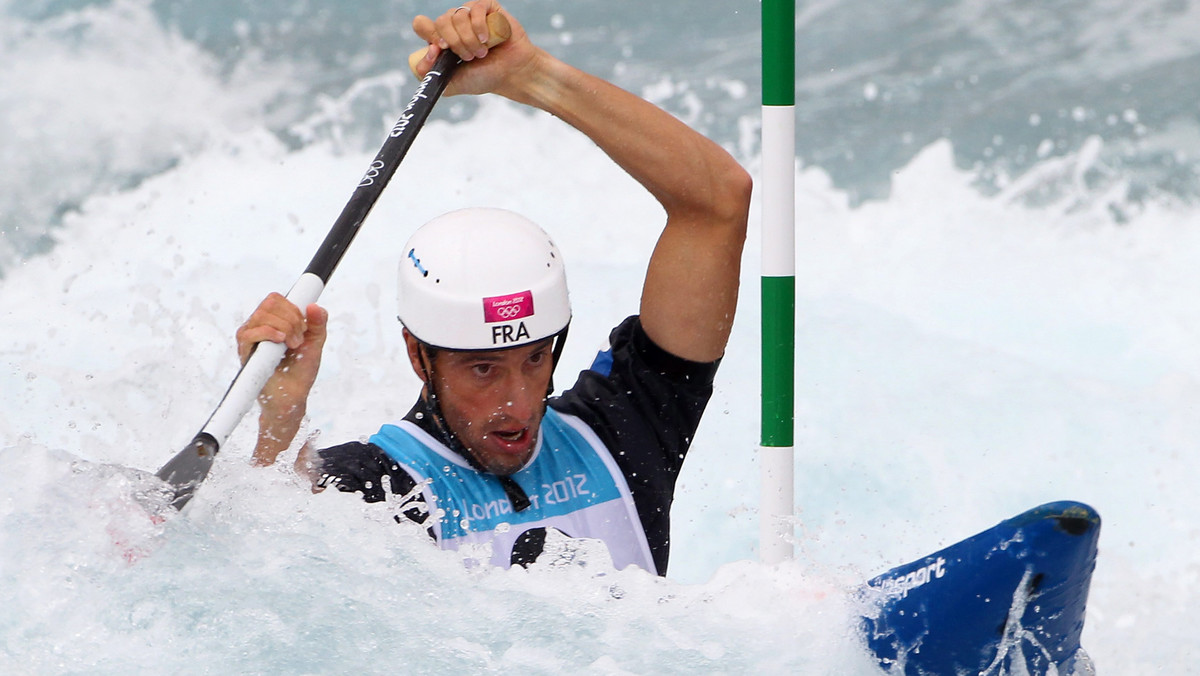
x=631, y=349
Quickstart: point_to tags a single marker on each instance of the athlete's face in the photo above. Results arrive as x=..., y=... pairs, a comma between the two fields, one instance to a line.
x=494, y=401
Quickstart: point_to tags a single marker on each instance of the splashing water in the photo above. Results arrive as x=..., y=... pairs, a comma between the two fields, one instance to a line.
x=992, y=331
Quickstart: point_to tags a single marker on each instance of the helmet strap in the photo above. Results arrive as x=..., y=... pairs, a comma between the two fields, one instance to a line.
x=560, y=341
x=425, y=354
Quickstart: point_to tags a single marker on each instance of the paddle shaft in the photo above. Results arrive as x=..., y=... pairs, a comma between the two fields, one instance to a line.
x=188, y=469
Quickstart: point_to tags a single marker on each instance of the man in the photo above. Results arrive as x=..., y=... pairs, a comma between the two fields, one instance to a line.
x=484, y=454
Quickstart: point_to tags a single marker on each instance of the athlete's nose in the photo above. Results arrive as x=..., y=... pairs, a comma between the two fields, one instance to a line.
x=519, y=398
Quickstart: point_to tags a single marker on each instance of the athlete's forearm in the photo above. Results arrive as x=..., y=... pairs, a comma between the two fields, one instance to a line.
x=690, y=293
x=276, y=430
x=686, y=172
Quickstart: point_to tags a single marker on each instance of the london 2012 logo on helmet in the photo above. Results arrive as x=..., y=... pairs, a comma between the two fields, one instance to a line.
x=507, y=308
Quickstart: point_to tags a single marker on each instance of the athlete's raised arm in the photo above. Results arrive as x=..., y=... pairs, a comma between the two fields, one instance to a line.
x=690, y=292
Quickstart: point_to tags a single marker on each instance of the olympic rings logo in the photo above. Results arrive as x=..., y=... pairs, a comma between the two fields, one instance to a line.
x=372, y=174
x=507, y=308
x=509, y=311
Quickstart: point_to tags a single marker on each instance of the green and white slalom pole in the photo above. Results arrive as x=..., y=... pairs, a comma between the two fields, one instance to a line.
x=776, y=455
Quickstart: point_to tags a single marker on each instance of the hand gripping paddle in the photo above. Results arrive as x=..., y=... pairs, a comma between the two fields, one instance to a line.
x=188, y=469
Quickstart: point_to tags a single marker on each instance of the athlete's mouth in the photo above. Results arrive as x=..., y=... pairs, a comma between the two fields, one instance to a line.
x=512, y=436
x=513, y=442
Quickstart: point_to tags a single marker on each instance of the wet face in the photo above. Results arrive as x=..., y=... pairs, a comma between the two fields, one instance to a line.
x=493, y=401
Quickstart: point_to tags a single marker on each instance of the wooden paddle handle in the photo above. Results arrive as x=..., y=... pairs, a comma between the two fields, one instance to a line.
x=498, y=31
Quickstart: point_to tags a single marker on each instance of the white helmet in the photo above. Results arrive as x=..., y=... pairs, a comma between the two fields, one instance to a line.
x=482, y=279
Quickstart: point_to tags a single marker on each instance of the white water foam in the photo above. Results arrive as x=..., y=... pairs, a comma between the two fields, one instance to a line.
x=960, y=359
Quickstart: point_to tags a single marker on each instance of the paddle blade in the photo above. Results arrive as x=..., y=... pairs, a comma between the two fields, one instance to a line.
x=189, y=467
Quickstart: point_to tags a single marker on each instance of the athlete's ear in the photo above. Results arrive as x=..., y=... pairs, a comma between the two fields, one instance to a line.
x=415, y=356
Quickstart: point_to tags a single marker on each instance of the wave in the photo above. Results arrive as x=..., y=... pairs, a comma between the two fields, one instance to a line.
x=961, y=357
x=101, y=94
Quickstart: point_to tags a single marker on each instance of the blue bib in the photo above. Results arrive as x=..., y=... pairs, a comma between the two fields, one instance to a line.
x=572, y=482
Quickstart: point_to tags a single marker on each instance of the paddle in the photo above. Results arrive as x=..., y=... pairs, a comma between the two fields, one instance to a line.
x=188, y=469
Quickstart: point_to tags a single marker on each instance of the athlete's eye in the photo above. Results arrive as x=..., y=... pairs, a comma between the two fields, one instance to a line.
x=481, y=370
